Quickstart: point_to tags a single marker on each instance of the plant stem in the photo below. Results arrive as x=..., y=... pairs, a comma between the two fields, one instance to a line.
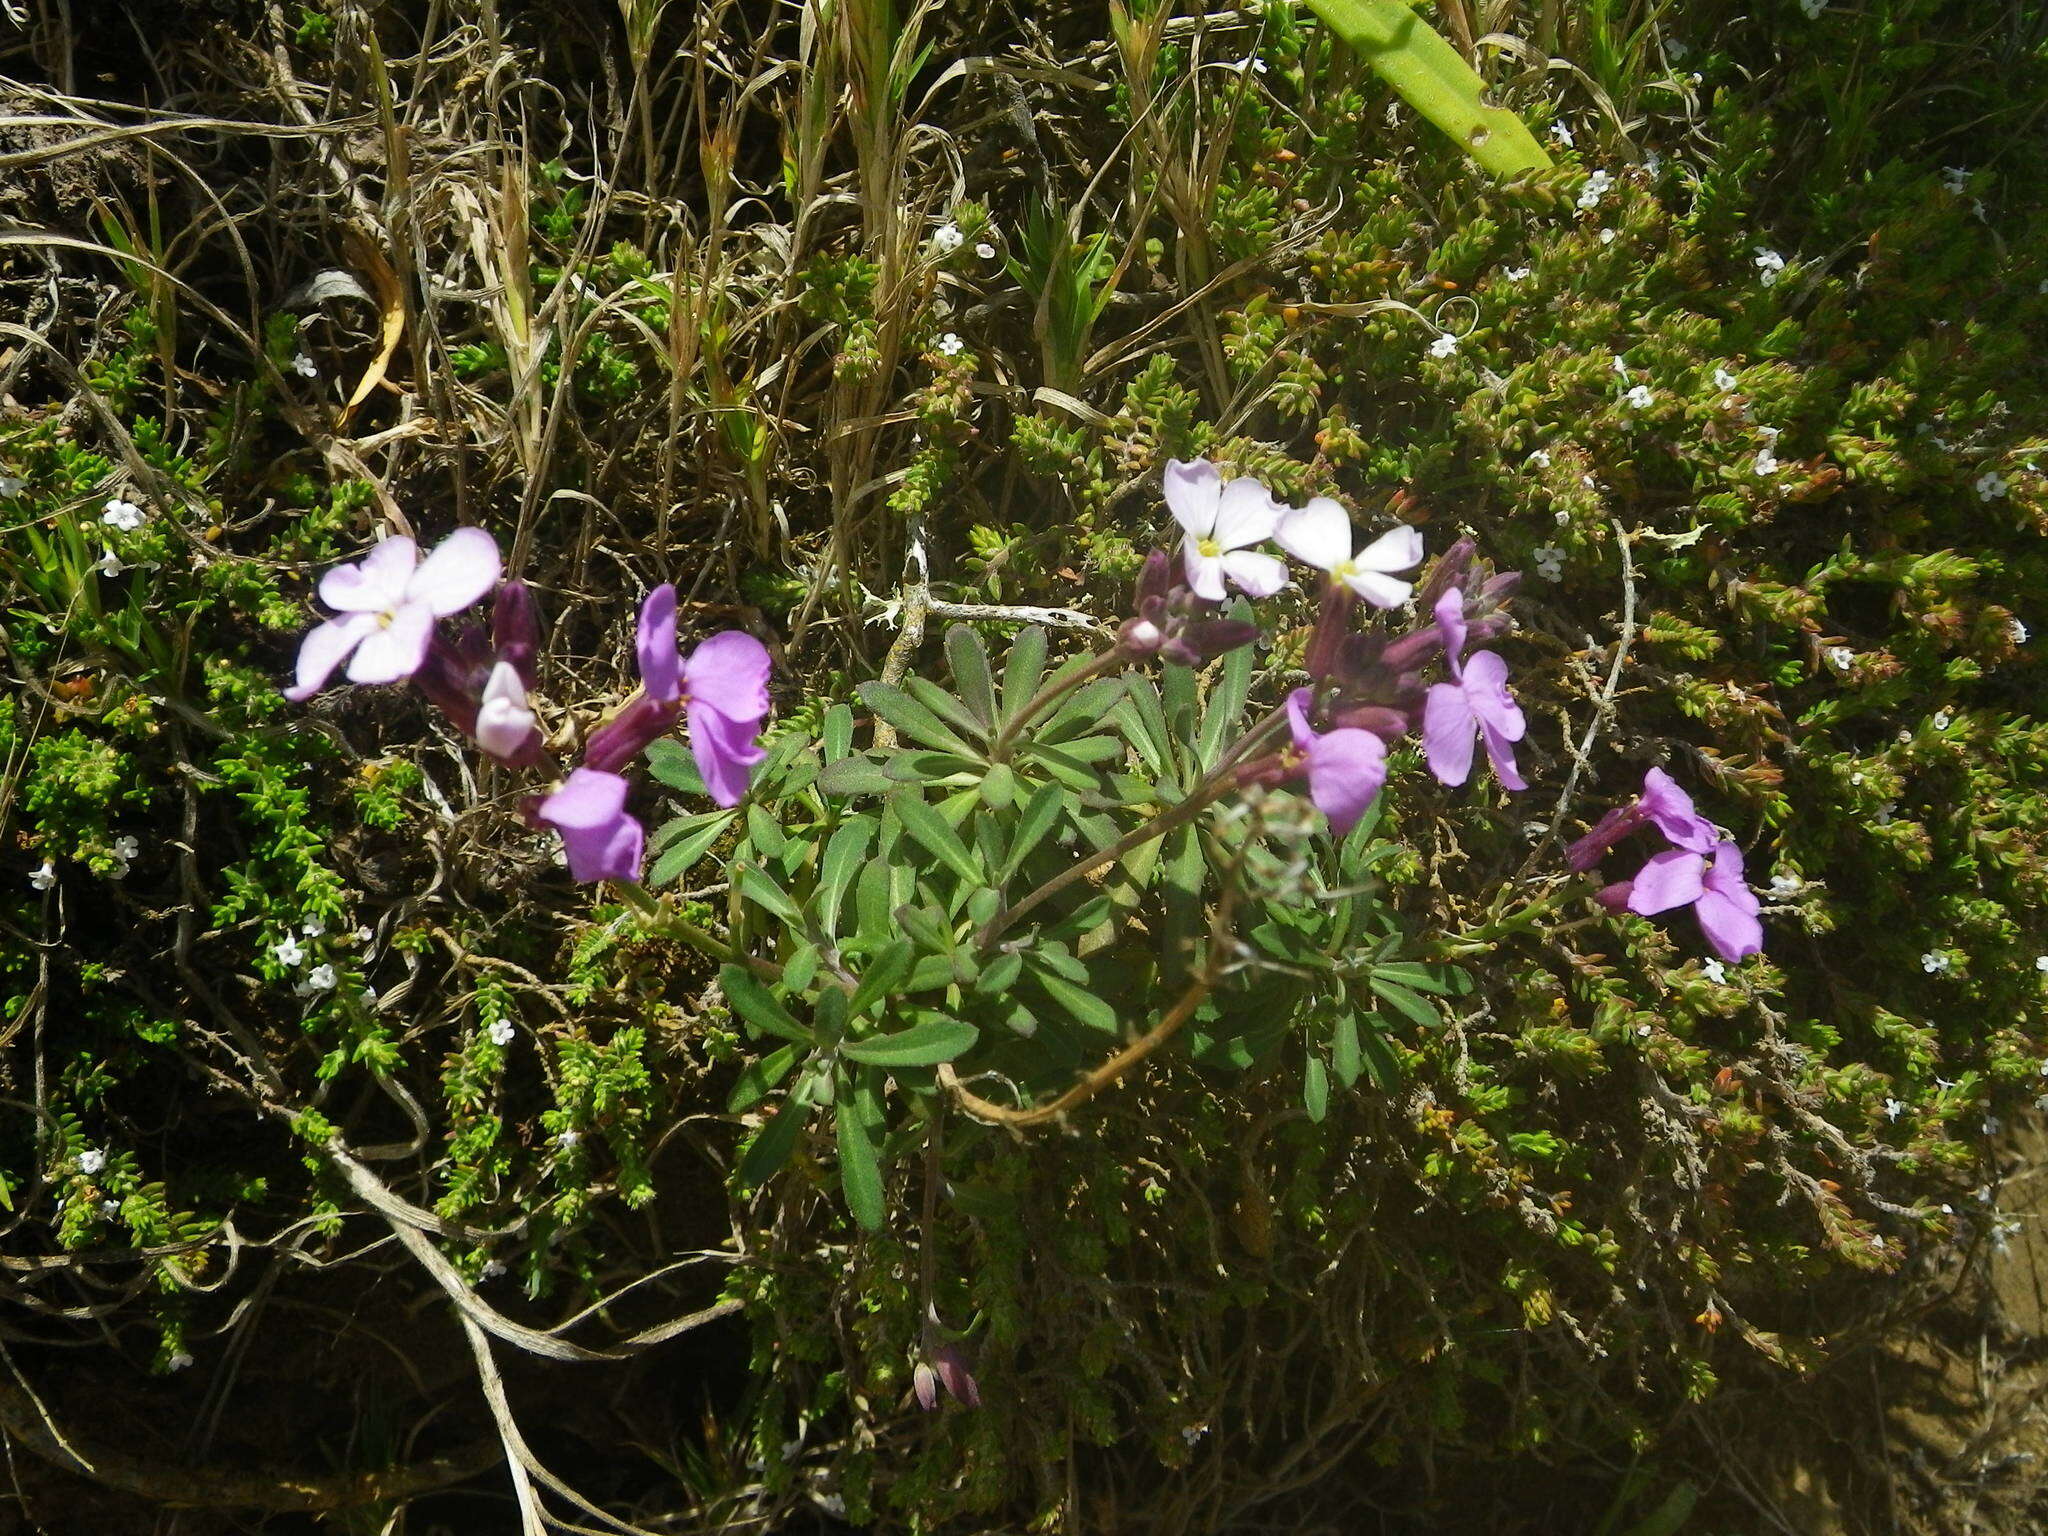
x=1050, y=693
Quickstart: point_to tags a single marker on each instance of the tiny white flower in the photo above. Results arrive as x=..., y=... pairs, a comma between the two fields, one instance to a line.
x=2017, y=630
x=288, y=951
x=1993, y=1125
x=1677, y=49
x=984, y=250
x=1893, y=1108
x=1769, y=265
x=1562, y=135
x=1549, y=560
x=1991, y=485
x=91, y=1161
x=1619, y=364
x=121, y=514
x=110, y=1207
x=1714, y=971
x=568, y=1138
x=1445, y=345
x=501, y=1032
x=1517, y=274
x=1540, y=458
x=1766, y=462
x=1194, y=1432
x=2041, y=964
x=1596, y=187
x=126, y=848
x=312, y=927
x=1943, y=719
x=1786, y=885
x=42, y=879
x=1607, y=237
x=492, y=1270
x=1652, y=163
x=9, y=487
x=1877, y=1240
x=178, y=1362
x=305, y=367
x=951, y=345
x=1813, y=8
x=363, y=935
x=1770, y=434
x=1724, y=381
x=1934, y=962
x=110, y=564
x=1856, y=778
x=1841, y=658
x=947, y=239
x=1641, y=397
x=1955, y=177
x=1884, y=813
x=1643, y=1031
x=320, y=978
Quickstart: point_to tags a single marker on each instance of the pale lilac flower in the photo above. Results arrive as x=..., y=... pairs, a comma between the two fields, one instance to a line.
x=1725, y=906
x=504, y=725
x=1562, y=135
x=947, y=239
x=124, y=515
x=1319, y=534
x=305, y=367
x=1446, y=345
x=951, y=345
x=1475, y=702
x=1549, y=560
x=501, y=1031
x=985, y=251
x=1662, y=804
x=1222, y=520
x=1346, y=768
x=42, y=879
x=602, y=840
x=389, y=601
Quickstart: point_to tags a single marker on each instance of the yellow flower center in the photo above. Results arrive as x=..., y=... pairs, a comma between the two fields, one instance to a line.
x=1208, y=549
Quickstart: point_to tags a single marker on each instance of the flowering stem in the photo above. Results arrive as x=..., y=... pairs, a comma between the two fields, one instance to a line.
x=1051, y=693
x=669, y=923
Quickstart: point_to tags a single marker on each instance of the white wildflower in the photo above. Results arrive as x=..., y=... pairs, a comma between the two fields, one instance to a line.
x=1770, y=434
x=126, y=848
x=288, y=951
x=2041, y=964
x=91, y=1161
x=110, y=1208
x=1991, y=485
x=363, y=935
x=1955, y=177
x=1549, y=562
x=1562, y=135
x=1841, y=658
x=2017, y=630
x=320, y=978
x=1934, y=962
x=1607, y=237
x=178, y=1362
x=1993, y=1125
x=1893, y=1108
x=501, y=1031
x=1540, y=458
x=1724, y=381
x=1640, y=398
x=42, y=879
x=984, y=250
x=1445, y=345
x=312, y=927
x=1596, y=187
x=947, y=239
x=1652, y=163
x=9, y=487
x=568, y=1138
x=1676, y=48
x=1517, y=274
x=305, y=367
x=1884, y=813
x=1786, y=885
x=1813, y=8
x=951, y=345
x=492, y=1270
x=124, y=515
x=1769, y=265
x=1943, y=719
x=1766, y=462
x=1714, y=971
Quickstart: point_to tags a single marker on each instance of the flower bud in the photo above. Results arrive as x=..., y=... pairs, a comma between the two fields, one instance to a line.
x=1390, y=725
x=627, y=734
x=1447, y=572
x=515, y=629
x=1333, y=627
x=1200, y=641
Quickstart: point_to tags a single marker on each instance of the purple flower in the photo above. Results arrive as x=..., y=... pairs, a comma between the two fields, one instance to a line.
x=1716, y=892
x=388, y=602
x=1346, y=767
x=1221, y=520
x=1661, y=803
x=948, y=1368
x=1475, y=701
x=603, y=841
x=722, y=688
x=1319, y=534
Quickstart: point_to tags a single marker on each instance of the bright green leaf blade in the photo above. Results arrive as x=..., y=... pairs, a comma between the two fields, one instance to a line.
x=968, y=658
x=922, y=1045
x=1084, y=1005
x=757, y=1005
x=884, y=976
x=1023, y=669
x=680, y=856
x=844, y=851
x=770, y=1149
x=912, y=718
x=1434, y=79
x=1400, y=998
x=1315, y=1089
x=931, y=830
x=855, y=776
x=860, y=1171
x=759, y=1078
x=671, y=764
x=1345, y=1057
x=1041, y=814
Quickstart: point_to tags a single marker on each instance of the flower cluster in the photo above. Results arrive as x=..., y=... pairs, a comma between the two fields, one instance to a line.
x=1701, y=869
x=388, y=605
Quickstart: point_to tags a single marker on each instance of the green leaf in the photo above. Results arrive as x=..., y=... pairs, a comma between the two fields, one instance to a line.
x=1084, y=1005
x=671, y=764
x=1023, y=669
x=860, y=1171
x=757, y=1005
x=763, y=832
x=681, y=855
x=836, y=734
x=1000, y=974
x=999, y=787
x=1406, y=1002
x=945, y=706
x=758, y=887
x=1041, y=814
x=770, y=1149
x=1434, y=79
x=1223, y=714
x=855, y=776
x=930, y=829
x=883, y=977
x=847, y=846
x=912, y=718
x=1084, y=709
x=758, y=1078
x=1344, y=1054
x=1379, y=1061
x=1419, y=977
x=921, y=1045
x=1315, y=1089
x=971, y=675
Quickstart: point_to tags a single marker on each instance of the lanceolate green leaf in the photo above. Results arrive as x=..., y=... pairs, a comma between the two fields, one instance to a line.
x=1435, y=80
x=922, y=1045
x=930, y=829
x=860, y=1171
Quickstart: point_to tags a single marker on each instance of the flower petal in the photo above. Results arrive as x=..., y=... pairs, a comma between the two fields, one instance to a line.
x=374, y=583
x=1205, y=572
x=1447, y=733
x=725, y=751
x=462, y=568
x=1670, y=879
x=504, y=725
x=1192, y=492
x=1731, y=927
x=610, y=852
x=1346, y=770
x=323, y=649
x=1486, y=688
x=1259, y=575
x=1297, y=718
x=394, y=649
x=661, y=664
x=1398, y=549
x=1318, y=534
x=1246, y=513
x=1381, y=591
x=729, y=672
x=1671, y=809
x=1500, y=752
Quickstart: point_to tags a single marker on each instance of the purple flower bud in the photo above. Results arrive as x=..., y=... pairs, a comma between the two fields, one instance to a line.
x=925, y=1381
x=1615, y=897
x=1200, y=641
x=643, y=721
x=1390, y=725
x=951, y=1363
x=453, y=674
x=1447, y=571
x=1155, y=580
x=515, y=629
x=1333, y=628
